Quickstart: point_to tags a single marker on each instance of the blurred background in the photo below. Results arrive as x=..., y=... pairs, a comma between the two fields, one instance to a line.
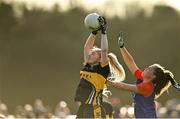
x=41, y=51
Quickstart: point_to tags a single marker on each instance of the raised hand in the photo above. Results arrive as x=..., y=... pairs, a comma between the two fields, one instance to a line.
x=120, y=40
x=103, y=24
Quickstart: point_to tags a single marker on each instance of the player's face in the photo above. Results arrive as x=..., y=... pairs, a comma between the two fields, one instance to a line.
x=148, y=73
x=95, y=56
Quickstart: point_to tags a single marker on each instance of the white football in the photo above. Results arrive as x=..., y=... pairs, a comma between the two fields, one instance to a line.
x=91, y=21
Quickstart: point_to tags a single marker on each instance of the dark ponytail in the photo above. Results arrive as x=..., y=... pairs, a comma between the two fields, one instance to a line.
x=168, y=75
x=164, y=78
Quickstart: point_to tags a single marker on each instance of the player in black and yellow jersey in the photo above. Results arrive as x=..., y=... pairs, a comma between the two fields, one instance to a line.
x=97, y=65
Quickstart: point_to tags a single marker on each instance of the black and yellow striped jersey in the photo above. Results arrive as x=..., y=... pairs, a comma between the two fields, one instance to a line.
x=92, y=81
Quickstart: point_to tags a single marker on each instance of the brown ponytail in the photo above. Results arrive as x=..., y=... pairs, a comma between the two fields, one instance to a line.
x=164, y=78
x=170, y=77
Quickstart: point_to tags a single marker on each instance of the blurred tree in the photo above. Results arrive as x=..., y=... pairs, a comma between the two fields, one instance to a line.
x=7, y=19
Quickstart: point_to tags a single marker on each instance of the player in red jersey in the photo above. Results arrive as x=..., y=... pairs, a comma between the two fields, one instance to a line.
x=150, y=83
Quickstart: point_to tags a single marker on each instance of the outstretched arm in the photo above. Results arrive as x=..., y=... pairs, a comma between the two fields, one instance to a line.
x=104, y=41
x=89, y=45
x=123, y=86
x=104, y=49
x=144, y=89
x=128, y=59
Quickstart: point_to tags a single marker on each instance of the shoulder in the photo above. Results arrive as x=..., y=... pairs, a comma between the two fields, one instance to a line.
x=145, y=89
x=138, y=74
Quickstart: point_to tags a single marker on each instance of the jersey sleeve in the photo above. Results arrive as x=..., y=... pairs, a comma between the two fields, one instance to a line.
x=138, y=74
x=145, y=89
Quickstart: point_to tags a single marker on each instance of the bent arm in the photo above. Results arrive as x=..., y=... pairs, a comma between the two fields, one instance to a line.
x=104, y=49
x=89, y=45
x=129, y=60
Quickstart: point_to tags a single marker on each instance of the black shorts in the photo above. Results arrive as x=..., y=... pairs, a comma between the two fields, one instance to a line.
x=90, y=111
x=109, y=109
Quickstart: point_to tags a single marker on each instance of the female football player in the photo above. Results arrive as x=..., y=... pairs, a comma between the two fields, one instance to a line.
x=150, y=83
x=97, y=65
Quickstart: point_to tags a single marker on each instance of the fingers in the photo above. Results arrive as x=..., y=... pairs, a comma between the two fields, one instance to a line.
x=120, y=35
x=102, y=20
x=120, y=40
x=103, y=24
